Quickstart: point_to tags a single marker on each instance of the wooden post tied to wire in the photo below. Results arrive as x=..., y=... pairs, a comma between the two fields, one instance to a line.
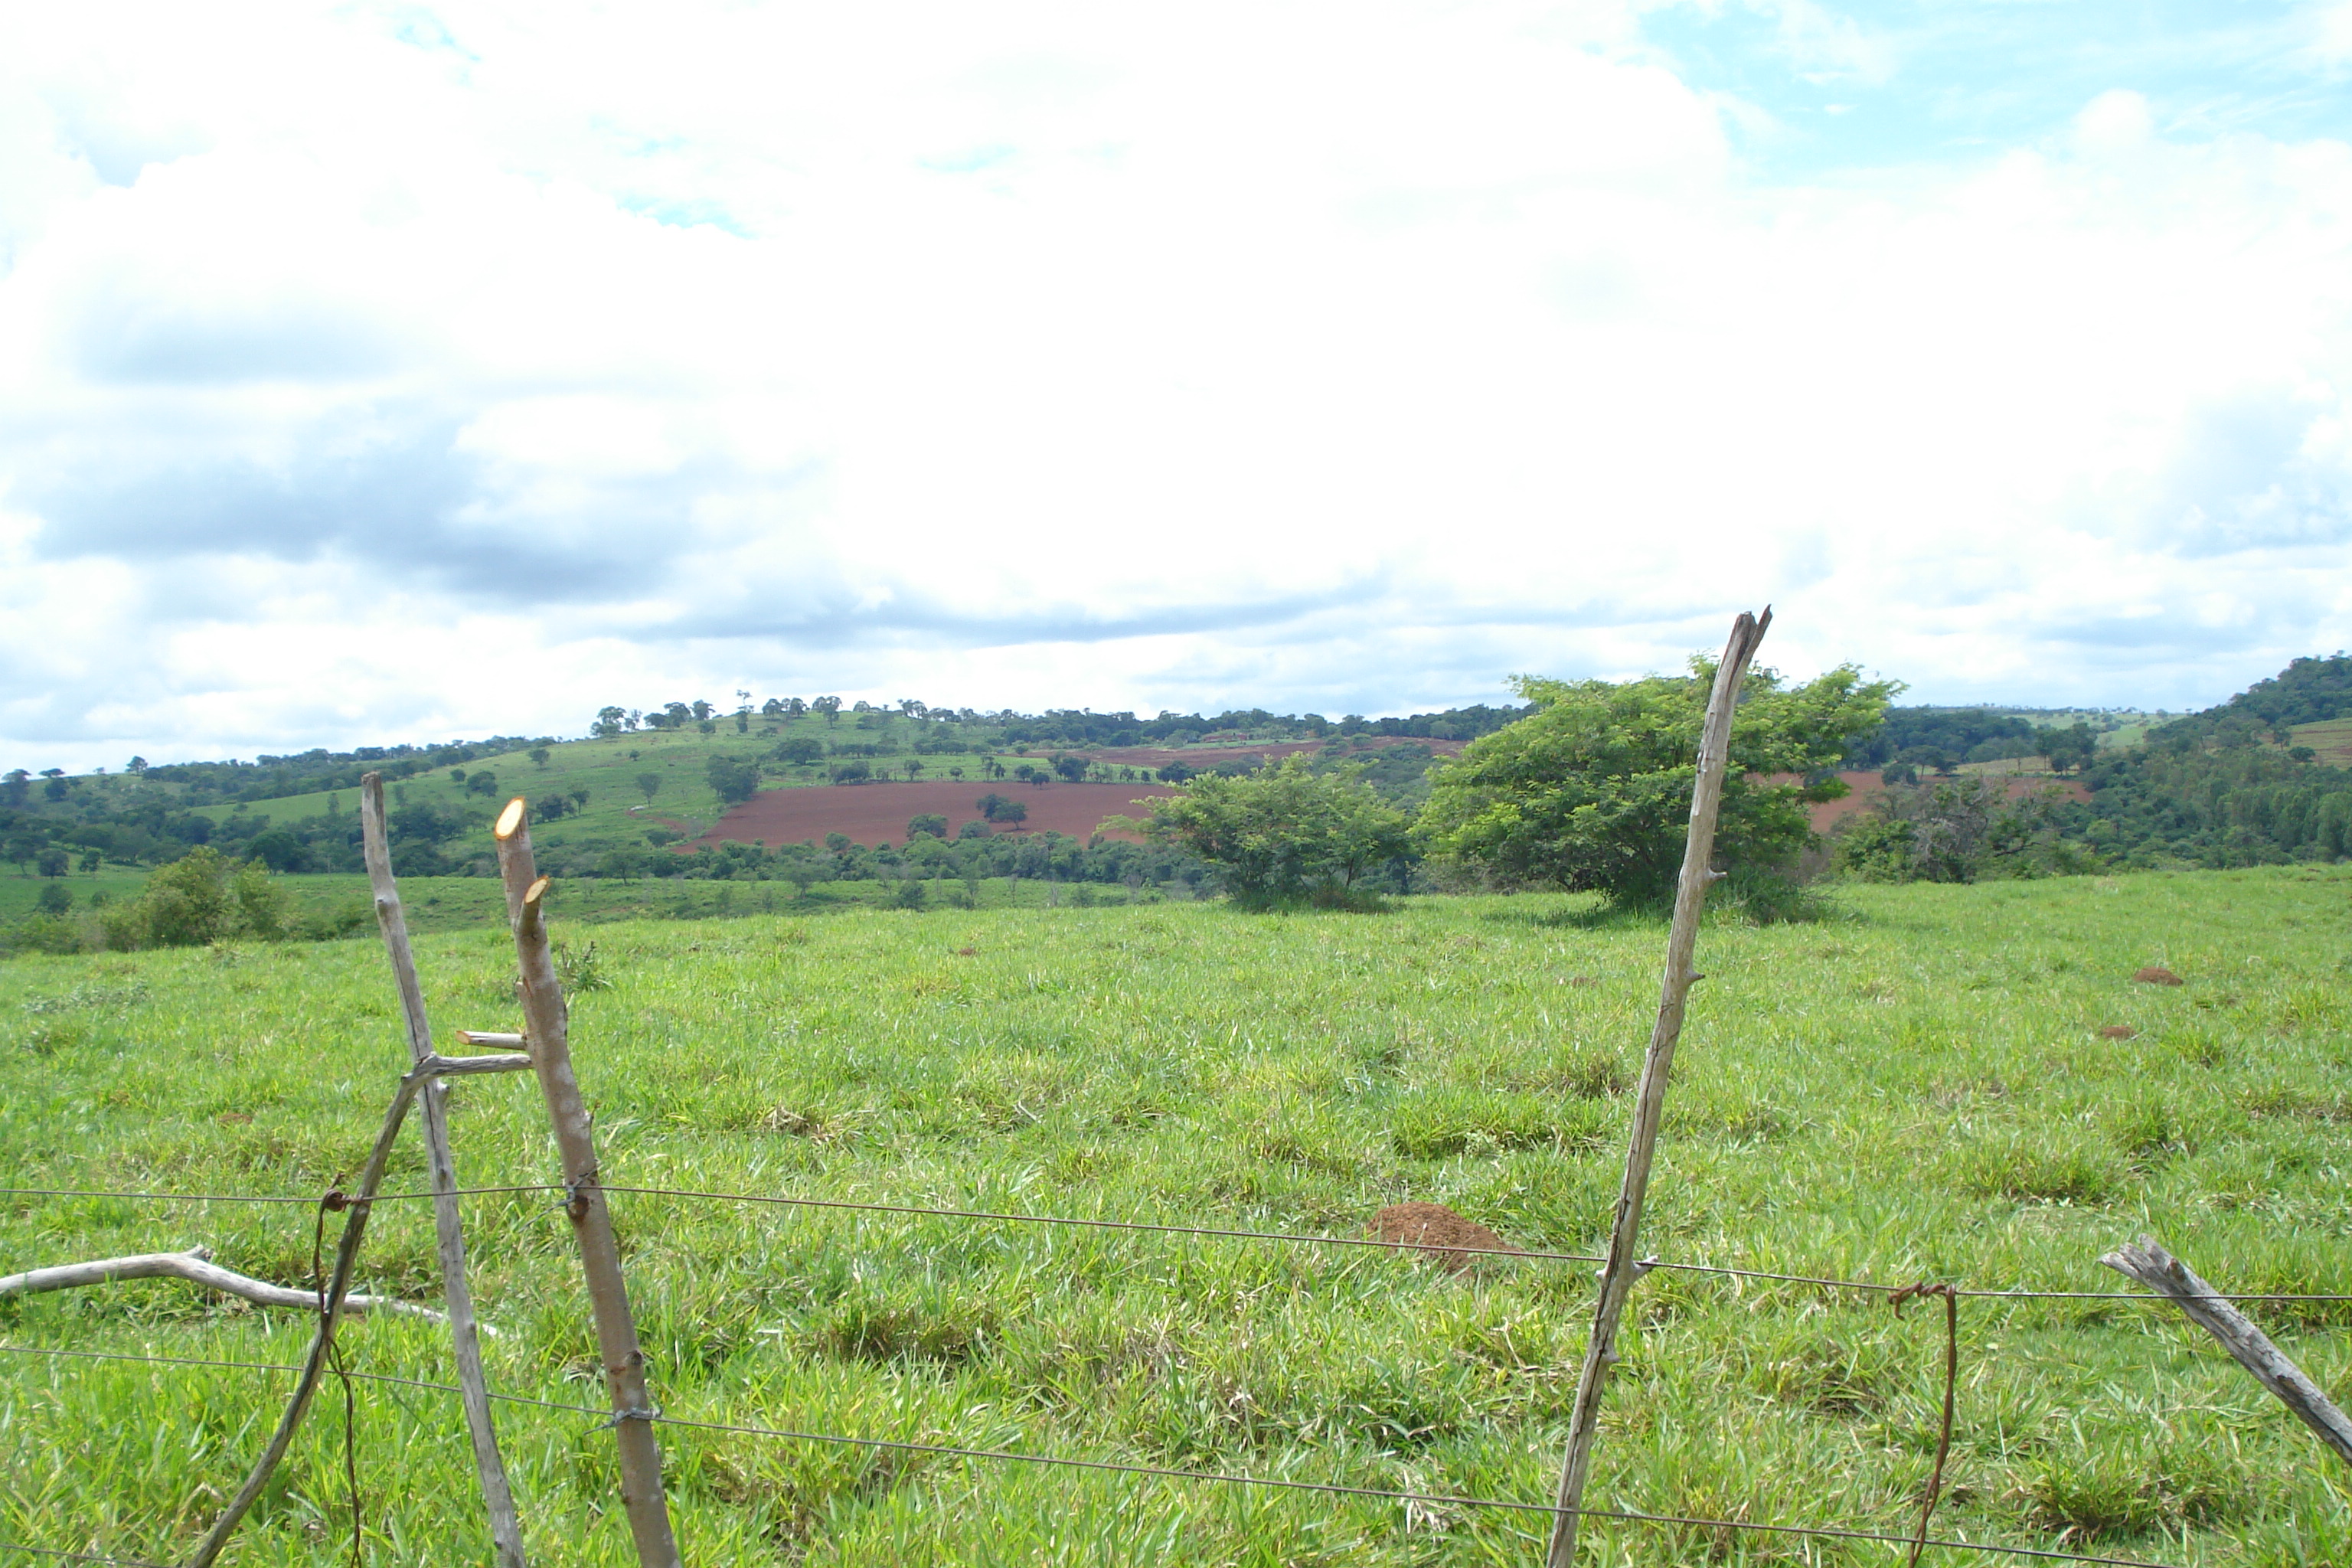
x=1622, y=1271
x=498, y=1495
x=546, y=1027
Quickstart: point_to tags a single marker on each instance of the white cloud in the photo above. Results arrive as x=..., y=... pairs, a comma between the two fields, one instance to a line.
x=368, y=372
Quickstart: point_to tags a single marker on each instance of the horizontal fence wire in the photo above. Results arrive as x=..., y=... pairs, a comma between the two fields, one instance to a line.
x=950, y=1450
x=2013, y=1293
x=7, y=1546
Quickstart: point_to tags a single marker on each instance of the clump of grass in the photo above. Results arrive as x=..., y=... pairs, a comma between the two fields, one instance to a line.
x=2037, y=1168
x=580, y=969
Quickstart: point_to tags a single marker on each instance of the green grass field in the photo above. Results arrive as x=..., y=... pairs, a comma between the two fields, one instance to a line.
x=1913, y=1091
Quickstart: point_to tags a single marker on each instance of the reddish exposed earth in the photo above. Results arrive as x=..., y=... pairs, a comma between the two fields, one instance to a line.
x=877, y=813
x=1866, y=789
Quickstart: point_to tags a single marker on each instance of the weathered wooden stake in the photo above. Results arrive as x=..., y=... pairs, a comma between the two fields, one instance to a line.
x=546, y=1027
x=1618, y=1277
x=498, y=1495
x=2160, y=1271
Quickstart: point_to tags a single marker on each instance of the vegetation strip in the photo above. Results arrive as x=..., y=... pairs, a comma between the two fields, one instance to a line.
x=951, y=1451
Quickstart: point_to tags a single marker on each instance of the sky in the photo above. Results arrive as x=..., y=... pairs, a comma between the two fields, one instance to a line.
x=383, y=372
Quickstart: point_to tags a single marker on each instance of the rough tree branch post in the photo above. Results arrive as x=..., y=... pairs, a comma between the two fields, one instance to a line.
x=1622, y=1269
x=547, y=1029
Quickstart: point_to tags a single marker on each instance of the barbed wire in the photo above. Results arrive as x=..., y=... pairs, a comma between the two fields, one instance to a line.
x=2011, y=1293
x=951, y=1450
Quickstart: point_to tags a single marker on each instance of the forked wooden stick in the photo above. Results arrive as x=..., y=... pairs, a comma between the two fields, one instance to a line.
x=498, y=1494
x=191, y=1266
x=546, y=1027
x=1690, y=896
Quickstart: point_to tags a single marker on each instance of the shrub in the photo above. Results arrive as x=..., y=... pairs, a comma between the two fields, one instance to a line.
x=203, y=897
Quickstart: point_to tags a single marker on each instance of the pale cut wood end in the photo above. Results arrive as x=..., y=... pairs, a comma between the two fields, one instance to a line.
x=510, y=819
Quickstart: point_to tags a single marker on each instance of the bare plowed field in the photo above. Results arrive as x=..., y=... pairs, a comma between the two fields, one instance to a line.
x=1866, y=788
x=874, y=813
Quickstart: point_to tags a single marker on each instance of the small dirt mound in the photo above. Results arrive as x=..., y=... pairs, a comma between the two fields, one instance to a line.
x=2157, y=974
x=2116, y=1031
x=1431, y=1228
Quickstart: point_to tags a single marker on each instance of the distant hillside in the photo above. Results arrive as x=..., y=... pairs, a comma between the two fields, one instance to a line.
x=2312, y=691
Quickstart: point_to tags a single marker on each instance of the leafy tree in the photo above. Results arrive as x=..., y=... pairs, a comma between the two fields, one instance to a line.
x=1592, y=791
x=649, y=786
x=55, y=789
x=1175, y=772
x=852, y=772
x=91, y=862
x=538, y=754
x=483, y=782
x=279, y=851
x=1281, y=832
x=458, y=776
x=1961, y=831
x=2069, y=749
x=798, y=750
x=773, y=708
x=928, y=822
x=200, y=897
x=828, y=706
x=914, y=769
x=837, y=842
x=610, y=722
x=1072, y=769
x=1011, y=812
x=136, y=766
x=16, y=788
x=53, y=898
x=53, y=861
x=702, y=710
x=731, y=780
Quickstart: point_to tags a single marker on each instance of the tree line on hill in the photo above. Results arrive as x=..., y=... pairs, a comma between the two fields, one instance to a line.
x=1585, y=788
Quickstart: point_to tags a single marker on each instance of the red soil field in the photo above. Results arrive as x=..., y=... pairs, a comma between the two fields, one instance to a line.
x=875, y=813
x=1866, y=789
x=1206, y=757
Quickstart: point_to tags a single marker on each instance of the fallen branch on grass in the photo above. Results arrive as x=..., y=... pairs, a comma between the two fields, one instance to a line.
x=193, y=1267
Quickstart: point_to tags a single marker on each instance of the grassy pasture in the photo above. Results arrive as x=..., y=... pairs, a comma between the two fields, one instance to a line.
x=1916, y=1091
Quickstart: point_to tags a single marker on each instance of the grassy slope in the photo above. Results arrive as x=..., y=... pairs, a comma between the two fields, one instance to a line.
x=1915, y=1092
x=609, y=773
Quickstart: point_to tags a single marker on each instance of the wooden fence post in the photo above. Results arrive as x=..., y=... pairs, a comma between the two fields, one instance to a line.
x=546, y=1029
x=1617, y=1278
x=2160, y=1271
x=498, y=1495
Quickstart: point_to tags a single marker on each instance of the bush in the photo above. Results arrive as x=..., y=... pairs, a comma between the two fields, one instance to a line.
x=928, y=822
x=201, y=897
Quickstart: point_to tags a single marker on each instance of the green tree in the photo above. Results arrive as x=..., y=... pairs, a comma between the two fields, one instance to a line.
x=53, y=899
x=731, y=780
x=798, y=750
x=649, y=786
x=91, y=862
x=928, y=822
x=53, y=861
x=538, y=754
x=1072, y=769
x=1592, y=791
x=828, y=706
x=1281, y=832
x=200, y=897
x=610, y=722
